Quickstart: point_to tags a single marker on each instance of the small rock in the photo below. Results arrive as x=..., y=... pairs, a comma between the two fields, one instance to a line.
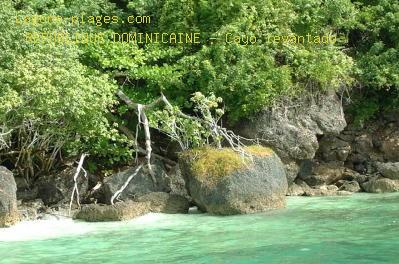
x=57, y=188
x=161, y=202
x=140, y=184
x=333, y=148
x=350, y=186
x=22, y=184
x=381, y=185
x=390, y=147
x=319, y=192
x=351, y=175
x=363, y=144
x=177, y=183
x=291, y=171
x=325, y=174
x=389, y=169
x=117, y=212
x=332, y=188
x=32, y=210
x=295, y=190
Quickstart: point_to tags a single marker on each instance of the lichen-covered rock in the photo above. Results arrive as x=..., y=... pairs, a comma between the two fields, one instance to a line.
x=293, y=132
x=140, y=184
x=291, y=171
x=390, y=146
x=225, y=183
x=177, y=183
x=324, y=174
x=389, y=169
x=381, y=185
x=326, y=190
x=161, y=202
x=32, y=210
x=351, y=175
x=295, y=190
x=350, y=186
x=298, y=188
x=8, y=198
x=57, y=188
x=333, y=149
x=117, y=212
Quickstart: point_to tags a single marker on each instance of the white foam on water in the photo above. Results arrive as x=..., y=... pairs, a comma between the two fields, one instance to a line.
x=149, y=218
x=53, y=228
x=44, y=229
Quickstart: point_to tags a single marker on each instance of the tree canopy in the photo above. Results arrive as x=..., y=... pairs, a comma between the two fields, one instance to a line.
x=59, y=100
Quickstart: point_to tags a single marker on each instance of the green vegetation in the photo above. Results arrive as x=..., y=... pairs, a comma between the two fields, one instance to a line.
x=374, y=43
x=57, y=101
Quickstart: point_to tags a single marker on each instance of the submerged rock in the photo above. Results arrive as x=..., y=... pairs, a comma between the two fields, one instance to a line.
x=161, y=202
x=8, y=198
x=117, y=212
x=381, y=185
x=222, y=182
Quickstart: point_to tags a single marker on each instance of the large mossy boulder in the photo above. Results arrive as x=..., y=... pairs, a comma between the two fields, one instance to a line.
x=223, y=182
x=8, y=198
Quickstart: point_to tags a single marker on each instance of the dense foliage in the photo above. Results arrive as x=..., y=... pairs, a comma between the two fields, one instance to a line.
x=59, y=100
x=375, y=45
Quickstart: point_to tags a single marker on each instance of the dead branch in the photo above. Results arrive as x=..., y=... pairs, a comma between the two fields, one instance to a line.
x=233, y=140
x=119, y=192
x=130, y=135
x=75, y=179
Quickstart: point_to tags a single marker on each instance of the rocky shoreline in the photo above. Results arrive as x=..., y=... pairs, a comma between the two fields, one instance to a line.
x=308, y=150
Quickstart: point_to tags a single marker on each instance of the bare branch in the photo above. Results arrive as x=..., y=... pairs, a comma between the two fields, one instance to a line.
x=119, y=192
x=75, y=179
x=233, y=140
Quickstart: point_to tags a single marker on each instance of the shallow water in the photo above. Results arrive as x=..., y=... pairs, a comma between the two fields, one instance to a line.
x=363, y=228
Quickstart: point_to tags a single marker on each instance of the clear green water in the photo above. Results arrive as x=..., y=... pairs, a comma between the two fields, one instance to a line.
x=363, y=228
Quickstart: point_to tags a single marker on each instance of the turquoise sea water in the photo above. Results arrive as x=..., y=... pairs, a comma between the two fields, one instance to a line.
x=363, y=228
